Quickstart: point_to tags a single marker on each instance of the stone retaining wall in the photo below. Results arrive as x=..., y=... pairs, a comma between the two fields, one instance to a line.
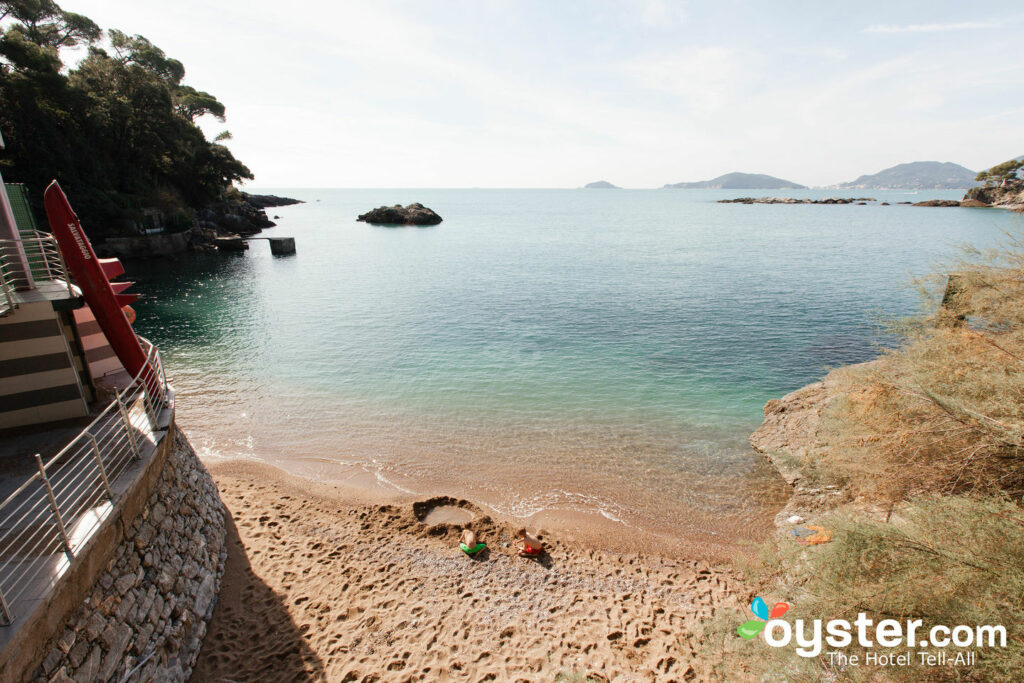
x=146, y=616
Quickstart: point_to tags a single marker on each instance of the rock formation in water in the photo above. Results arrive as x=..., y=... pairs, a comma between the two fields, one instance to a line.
x=937, y=202
x=414, y=214
x=794, y=200
x=739, y=181
x=267, y=200
x=601, y=185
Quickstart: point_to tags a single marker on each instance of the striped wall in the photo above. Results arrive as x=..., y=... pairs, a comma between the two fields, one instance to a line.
x=39, y=378
x=98, y=354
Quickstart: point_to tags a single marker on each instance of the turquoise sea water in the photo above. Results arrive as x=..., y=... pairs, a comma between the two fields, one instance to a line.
x=604, y=351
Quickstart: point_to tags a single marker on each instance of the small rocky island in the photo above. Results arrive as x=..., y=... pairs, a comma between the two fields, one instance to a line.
x=414, y=214
x=601, y=185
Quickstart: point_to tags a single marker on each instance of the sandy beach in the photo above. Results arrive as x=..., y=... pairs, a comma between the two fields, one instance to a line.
x=330, y=583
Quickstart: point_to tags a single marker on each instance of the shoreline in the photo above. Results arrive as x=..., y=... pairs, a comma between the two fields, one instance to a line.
x=348, y=583
x=705, y=536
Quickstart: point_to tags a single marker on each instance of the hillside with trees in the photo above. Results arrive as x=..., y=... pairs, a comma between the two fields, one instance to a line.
x=118, y=130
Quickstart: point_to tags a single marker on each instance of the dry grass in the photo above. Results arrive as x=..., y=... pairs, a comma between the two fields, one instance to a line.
x=934, y=429
x=945, y=412
x=948, y=560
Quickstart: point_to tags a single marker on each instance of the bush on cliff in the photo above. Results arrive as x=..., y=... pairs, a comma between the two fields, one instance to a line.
x=117, y=131
x=933, y=431
x=945, y=412
x=948, y=560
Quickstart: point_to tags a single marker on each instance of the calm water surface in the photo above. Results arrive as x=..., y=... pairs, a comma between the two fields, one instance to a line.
x=604, y=351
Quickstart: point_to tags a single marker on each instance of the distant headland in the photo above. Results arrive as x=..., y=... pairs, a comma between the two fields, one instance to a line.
x=739, y=181
x=916, y=175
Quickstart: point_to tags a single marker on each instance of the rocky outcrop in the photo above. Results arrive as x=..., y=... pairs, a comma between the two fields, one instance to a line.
x=1007, y=195
x=794, y=200
x=937, y=202
x=414, y=214
x=147, y=614
x=146, y=246
x=601, y=185
x=791, y=437
x=265, y=201
x=790, y=429
x=234, y=215
x=238, y=214
x=860, y=201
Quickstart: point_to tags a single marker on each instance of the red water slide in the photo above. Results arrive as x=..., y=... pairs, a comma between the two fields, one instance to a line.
x=92, y=275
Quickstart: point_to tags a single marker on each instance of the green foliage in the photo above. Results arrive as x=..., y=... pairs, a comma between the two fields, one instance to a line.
x=44, y=23
x=118, y=131
x=1008, y=170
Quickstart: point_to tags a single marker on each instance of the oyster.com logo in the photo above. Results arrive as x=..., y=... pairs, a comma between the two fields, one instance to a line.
x=751, y=629
x=911, y=637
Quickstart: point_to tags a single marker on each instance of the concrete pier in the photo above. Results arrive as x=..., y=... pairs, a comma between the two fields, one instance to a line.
x=280, y=246
x=231, y=243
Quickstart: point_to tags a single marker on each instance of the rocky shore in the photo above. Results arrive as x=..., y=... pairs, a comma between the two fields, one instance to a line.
x=789, y=437
x=1007, y=195
x=237, y=214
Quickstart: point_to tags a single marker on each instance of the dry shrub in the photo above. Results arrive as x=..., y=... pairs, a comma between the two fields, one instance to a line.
x=937, y=425
x=945, y=412
x=948, y=560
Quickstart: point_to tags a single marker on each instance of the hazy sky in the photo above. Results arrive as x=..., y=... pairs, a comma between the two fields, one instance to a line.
x=524, y=93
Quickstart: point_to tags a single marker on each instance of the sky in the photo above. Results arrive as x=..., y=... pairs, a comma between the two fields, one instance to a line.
x=534, y=93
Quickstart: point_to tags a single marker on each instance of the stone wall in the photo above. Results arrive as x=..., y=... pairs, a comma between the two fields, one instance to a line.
x=147, y=614
x=146, y=246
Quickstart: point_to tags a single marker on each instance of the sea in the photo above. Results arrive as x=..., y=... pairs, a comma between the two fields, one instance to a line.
x=596, y=352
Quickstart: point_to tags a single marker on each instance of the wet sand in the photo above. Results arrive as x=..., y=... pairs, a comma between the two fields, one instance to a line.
x=339, y=584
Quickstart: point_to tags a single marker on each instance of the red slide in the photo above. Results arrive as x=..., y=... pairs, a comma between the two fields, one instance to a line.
x=92, y=275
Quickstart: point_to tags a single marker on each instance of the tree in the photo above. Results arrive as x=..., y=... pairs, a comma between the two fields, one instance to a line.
x=118, y=131
x=191, y=103
x=1008, y=170
x=44, y=23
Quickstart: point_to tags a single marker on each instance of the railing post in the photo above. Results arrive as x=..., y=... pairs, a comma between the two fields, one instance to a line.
x=63, y=266
x=5, y=611
x=56, y=510
x=128, y=426
x=46, y=257
x=148, y=403
x=103, y=470
x=163, y=377
x=7, y=290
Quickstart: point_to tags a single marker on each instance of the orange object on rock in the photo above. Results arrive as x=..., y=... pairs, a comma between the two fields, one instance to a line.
x=820, y=535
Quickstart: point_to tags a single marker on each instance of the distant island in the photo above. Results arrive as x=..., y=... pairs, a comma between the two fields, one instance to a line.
x=601, y=185
x=739, y=181
x=916, y=175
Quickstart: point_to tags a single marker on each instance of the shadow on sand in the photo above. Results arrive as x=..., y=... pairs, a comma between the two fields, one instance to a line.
x=251, y=636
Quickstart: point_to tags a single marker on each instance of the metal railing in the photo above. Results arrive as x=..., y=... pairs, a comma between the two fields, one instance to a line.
x=45, y=262
x=46, y=522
